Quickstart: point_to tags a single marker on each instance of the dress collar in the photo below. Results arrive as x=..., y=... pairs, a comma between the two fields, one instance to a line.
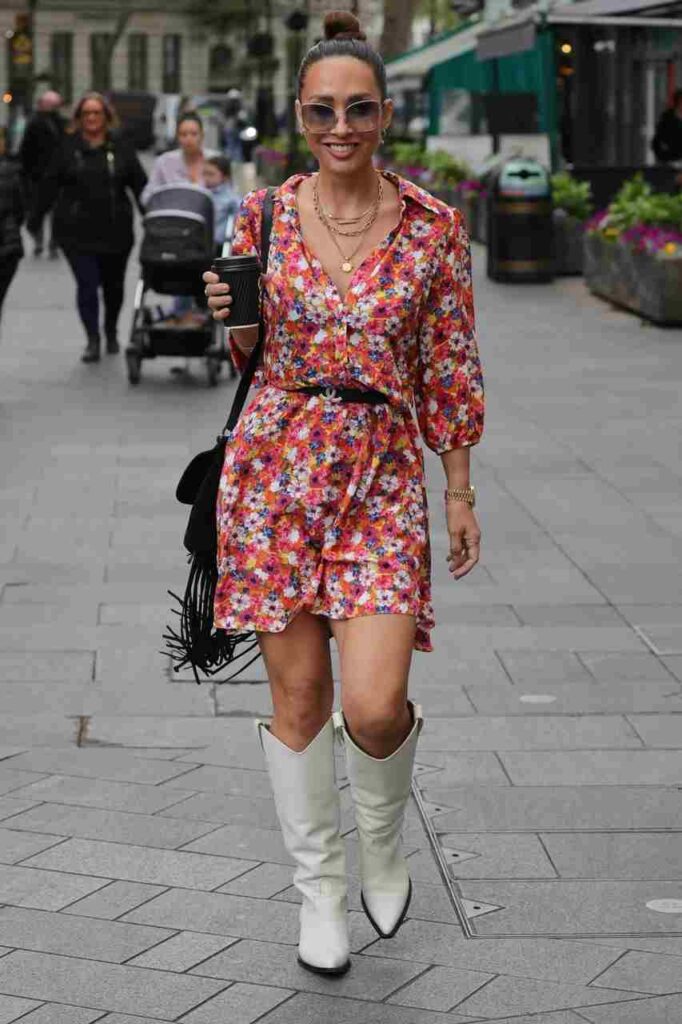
x=407, y=191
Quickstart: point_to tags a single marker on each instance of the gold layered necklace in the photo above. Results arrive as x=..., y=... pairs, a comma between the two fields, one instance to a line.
x=332, y=223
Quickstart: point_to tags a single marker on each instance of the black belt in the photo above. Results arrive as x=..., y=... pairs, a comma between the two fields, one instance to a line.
x=343, y=394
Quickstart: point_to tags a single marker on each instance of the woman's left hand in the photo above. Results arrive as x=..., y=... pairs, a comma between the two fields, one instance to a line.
x=465, y=538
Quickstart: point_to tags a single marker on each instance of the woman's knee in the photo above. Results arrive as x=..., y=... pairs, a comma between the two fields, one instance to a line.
x=375, y=720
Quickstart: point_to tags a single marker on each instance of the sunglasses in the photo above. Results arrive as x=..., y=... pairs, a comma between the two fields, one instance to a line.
x=361, y=116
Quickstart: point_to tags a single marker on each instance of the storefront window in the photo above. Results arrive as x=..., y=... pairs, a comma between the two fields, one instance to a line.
x=61, y=62
x=100, y=60
x=172, y=52
x=137, y=61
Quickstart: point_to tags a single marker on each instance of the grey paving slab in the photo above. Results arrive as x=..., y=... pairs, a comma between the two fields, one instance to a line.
x=578, y=698
x=442, y=700
x=538, y=808
x=103, y=986
x=120, y=796
x=220, y=914
x=43, y=890
x=570, y=908
x=659, y=730
x=528, y=668
x=645, y=943
x=553, y=732
x=240, y=1004
x=114, y=899
x=643, y=972
x=262, y=882
x=561, y=1017
x=181, y=952
x=263, y=963
x=619, y=667
x=514, y=996
x=664, y=639
x=102, y=764
x=650, y=855
x=308, y=1008
x=453, y=769
x=141, y=864
x=496, y=856
x=94, y=823
x=440, y=988
x=51, y=1013
x=12, y=1009
x=12, y=780
x=660, y=1010
x=588, y=767
x=563, y=961
x=73, y=936
x=223, y=807
x=244, y=841
x=52, y=666
x=590, y=615
x=15, y=846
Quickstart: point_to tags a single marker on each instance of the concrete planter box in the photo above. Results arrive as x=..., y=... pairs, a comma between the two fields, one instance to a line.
x=568, y=244
x=640, y=281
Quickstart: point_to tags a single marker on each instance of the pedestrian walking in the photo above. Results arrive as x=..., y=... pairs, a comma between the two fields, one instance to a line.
x=218, y=181
x=88, y=182
x=11, y=217
x=322, y=514
x=186, y=163
x=667, y=142
x=42, y=139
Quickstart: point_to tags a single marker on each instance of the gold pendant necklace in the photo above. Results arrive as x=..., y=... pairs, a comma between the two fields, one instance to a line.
x=346, y=265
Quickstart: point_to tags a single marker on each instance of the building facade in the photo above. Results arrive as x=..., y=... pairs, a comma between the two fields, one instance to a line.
x=162, y=46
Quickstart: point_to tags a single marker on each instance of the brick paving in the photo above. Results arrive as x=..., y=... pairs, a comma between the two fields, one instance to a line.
x=142, y=876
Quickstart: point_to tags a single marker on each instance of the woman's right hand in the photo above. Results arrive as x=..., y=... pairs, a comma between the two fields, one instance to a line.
x=219, y=298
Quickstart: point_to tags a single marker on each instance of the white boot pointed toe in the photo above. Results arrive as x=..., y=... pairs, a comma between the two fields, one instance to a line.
x=309, y=811
x=380, y=788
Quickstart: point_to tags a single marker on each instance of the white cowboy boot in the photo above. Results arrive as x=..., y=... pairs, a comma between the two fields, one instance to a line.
x=309, y=811
x=380, y=788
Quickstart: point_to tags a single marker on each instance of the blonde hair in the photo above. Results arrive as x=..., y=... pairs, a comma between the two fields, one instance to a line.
x=109, y=111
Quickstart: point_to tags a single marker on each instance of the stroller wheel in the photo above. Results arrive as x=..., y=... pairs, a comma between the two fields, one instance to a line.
x=134, y=363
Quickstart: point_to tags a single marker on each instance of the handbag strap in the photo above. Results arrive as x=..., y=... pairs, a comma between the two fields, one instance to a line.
x=254, y=357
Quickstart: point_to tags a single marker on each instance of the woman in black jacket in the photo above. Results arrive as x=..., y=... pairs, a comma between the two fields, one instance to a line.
x=88, y=182
x=11, y=216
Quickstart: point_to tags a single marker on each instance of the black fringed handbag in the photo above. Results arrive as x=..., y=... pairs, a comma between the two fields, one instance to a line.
x=196, y=642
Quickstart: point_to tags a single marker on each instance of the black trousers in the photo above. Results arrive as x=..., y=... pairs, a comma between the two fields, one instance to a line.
x=95, y=271
x=8, y=268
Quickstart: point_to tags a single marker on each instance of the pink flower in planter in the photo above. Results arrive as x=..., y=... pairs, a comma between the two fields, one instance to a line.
x=663, y=241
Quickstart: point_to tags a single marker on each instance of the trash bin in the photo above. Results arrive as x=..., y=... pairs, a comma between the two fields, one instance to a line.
x=520, y=242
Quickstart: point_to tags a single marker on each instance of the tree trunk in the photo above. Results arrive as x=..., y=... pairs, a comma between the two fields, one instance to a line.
x=397, y=32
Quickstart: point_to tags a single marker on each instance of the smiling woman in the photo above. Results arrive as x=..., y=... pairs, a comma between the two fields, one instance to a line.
x=322, y=516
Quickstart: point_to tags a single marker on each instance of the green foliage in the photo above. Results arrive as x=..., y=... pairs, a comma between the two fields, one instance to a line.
x=637, y=203
x=447, y=170
x=408, y=154
x=572, y=196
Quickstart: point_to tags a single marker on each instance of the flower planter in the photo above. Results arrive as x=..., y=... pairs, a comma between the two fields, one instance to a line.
x=568, y=244
x=648, y=284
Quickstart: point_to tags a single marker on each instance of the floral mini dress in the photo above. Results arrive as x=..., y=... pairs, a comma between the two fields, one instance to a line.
x=322, y=504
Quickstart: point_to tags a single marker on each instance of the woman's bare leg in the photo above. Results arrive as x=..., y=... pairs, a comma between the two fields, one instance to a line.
x=376, y=652
x=298, y=664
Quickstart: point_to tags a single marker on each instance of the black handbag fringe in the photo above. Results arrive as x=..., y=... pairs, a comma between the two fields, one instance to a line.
x=196, y=641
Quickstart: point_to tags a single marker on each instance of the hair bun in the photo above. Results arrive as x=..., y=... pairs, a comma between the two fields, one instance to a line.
x=342, y=25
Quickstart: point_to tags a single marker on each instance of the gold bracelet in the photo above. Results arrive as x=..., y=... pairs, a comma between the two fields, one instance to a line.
x=466, y=494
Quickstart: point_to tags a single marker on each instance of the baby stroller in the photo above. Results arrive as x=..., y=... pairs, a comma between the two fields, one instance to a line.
x=177, y=247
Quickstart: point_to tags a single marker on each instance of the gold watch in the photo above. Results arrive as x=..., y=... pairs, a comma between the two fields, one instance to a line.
x=467, y=494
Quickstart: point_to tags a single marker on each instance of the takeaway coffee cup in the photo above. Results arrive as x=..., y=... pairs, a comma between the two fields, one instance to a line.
x=242, y=273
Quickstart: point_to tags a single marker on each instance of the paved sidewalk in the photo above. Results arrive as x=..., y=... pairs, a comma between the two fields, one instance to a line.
x=143, y=878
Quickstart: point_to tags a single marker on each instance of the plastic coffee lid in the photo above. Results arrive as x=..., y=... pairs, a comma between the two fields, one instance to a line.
x=232, y=263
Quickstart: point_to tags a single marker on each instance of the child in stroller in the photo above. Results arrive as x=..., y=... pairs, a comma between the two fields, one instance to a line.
x=178, y=244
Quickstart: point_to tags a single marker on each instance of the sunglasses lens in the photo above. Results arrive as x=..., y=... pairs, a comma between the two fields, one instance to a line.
x=318, y=117
x=363, y=116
